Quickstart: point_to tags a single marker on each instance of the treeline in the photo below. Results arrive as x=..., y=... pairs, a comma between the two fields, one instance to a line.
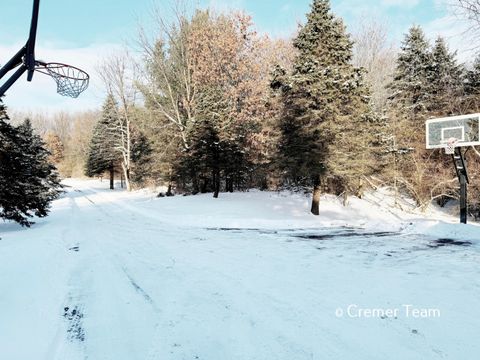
x=198, y=113
x=213, y=106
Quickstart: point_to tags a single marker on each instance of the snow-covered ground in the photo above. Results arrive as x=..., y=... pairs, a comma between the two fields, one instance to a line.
x=112, y=275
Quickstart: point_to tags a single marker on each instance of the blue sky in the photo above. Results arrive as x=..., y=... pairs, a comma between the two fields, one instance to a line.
x=82, y=31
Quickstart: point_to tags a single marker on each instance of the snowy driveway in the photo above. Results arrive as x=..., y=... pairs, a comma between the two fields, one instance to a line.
x=109, y=277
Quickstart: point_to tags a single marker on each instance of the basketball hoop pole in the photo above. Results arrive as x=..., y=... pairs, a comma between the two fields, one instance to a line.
x=30, y=51
x=460, y=166
x=25, y=58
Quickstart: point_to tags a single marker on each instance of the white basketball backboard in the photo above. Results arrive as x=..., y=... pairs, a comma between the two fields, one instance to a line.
x=465, y=129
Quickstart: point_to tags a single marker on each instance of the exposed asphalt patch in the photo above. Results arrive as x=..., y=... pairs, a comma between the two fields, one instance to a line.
x=279, y=231
x=74, y=316
x=447, y=242
x=307, y=234
x=346, y=234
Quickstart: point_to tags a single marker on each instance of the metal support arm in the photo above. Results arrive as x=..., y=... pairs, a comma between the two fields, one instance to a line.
x=15, y=61
x=16, y=75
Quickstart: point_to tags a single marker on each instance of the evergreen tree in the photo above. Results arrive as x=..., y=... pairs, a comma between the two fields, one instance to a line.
x=141, y=157
x=216, y=157
x=210, y=158
x=446, y=80
x=472, y=88
x=409, y=102
x=28, y=182
x=103, y=152
x=472, y=85
x=326, y=125
x=201, y=162
x=427, y=83
x=411, y=88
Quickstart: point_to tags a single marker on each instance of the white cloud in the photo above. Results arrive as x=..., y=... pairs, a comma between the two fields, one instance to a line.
x=456, y=33
x=40, y=94
x=448, y=25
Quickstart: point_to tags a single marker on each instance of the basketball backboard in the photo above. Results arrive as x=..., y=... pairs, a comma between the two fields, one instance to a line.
x=465, y=129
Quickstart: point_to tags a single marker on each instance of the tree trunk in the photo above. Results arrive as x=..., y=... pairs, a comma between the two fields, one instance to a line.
x=216, y=183
x=195, y=185
x=127, y=180
x=126, y=175
x=112, y=177
x=169, y=191
x=316, y=196
x=230, y=185
x=205, y=184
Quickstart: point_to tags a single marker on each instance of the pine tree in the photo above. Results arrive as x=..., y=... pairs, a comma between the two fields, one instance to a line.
x=446, y=80
x=103, y=153
x=409, y=102
x=472, y=88
x=472, y=85
x=411, y=88
x=28, y=182
x=427, y=83
x=201, y=162
x=326, y=120
x=141, y=157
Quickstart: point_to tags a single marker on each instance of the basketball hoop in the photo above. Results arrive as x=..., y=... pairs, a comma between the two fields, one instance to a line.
x=71, y=81
x=450, y=146
x=452, y=134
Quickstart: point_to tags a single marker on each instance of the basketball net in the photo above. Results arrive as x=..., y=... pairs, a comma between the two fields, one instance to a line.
x=71, y=81
x=450, y=146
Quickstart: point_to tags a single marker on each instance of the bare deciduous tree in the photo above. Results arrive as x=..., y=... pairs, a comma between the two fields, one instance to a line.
x=470, y=9
x=119, y=76
x=167, y=85
x=374, y=53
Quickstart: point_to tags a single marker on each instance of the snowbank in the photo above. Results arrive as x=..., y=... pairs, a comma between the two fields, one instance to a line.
x=254, y=209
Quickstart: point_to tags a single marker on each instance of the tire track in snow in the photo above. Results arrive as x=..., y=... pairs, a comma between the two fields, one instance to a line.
x=69, y=340
x=125, y=225
x=107, y=247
